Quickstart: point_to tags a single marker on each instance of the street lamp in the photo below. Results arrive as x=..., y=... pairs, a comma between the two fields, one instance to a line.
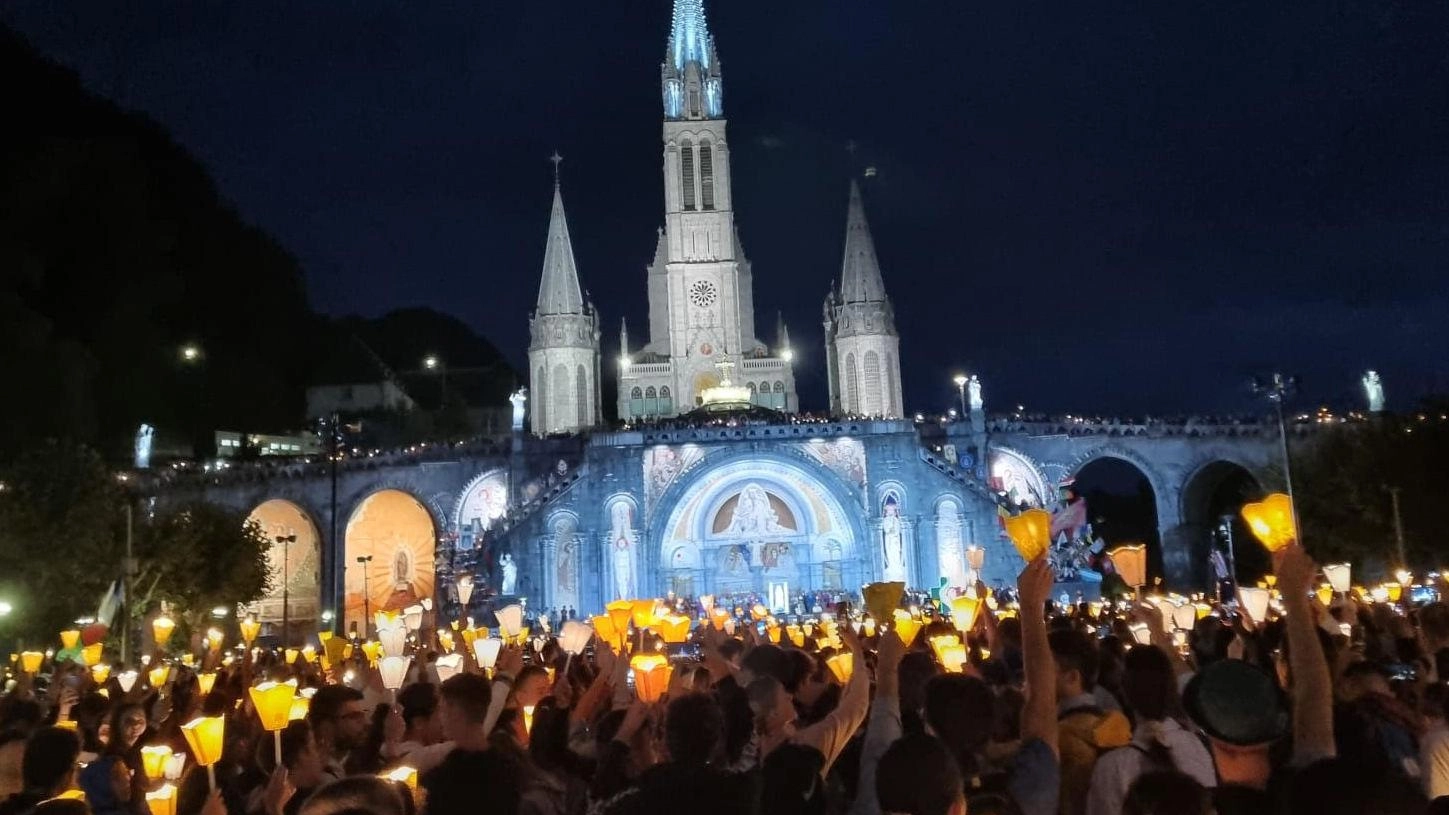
x=430, y=362
x=1277, y=390
x=190, y=352
x=5, y=608
x=366, y=608
x=286, y=541
x=961, y=380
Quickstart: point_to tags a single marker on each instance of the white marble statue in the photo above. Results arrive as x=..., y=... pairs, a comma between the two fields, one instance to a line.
x=892, y=543
x=509, y=568
x=753, y=514
x=621, y=537
x=144, y=435
x=1373, y=390
x=973, y=392
x=519, y=400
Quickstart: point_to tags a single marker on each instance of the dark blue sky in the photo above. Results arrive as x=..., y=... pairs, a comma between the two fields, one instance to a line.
x=1117, y=207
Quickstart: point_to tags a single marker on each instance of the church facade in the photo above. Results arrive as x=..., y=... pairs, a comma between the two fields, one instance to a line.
x=749, y=501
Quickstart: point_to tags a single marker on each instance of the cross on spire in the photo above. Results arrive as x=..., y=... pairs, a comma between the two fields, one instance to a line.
x=556, y=159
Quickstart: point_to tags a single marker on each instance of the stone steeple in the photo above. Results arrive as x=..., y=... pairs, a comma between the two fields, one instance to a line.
x=690, y=76
x=558, y=289
x=862, y=349
x=860, y=280
x=563, y=355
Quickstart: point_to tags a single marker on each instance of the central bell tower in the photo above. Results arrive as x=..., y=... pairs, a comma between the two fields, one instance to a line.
x=701, y=291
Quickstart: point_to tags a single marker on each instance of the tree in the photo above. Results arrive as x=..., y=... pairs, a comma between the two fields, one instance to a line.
x=1342, y=483
x=61, y=521
x=198, y=557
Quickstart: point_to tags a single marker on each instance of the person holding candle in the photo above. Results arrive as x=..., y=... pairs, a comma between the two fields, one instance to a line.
x=48, y=771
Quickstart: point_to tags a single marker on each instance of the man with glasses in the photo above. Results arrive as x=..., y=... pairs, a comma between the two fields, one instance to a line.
x=338, y=724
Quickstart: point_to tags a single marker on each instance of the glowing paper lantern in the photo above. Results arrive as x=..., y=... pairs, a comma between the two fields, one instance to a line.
x=906, y=626
x=842, y=665
x=882, y=599
x=510, y=620
x=394, y=641
x=759, y=612
x=373, y=651
x=386, y=620
x=30, y=661
x=298, y=710
x=941, y=641
x=620, y=612
x=651, y=675
x=464, y=585
x=158, y=675
x=1339, y=576
x=153, y=760
x=1395, y=591
x=1203, y=610
x=574, y=637
x=953, y=657
x=250, y=628
x=127, y=680
x=205, y=682
x=1141, y=633
x=215, y=639
x=1130, y=561
x=1254, y=602
x=1184, y=616
x=706, y=602
x=175, y=766
x=413, y=617
x=1030, y=532
x=204, y=736
x=1272, y=521
x=674, y=629
x=796, y=635
x=1324, y=593
x=291, y=655
x=528, y=718
x=161, y=629
x=718, y=617
x=975, y=558
x=100, y=673
x=91, y=654
x=273, y=701
x=69, y=638
x=394, y=670
x=486, y=650
x=162, y=800
x=402, y=775
x=448, y=666
x=963, y=612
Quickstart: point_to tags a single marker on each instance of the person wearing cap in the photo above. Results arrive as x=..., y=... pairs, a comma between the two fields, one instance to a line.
x=1242, y=711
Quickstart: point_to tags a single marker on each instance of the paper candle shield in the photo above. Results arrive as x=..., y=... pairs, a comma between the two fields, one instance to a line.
x=153, y=761
x=651, y=675
x=448, y=666
x=1130, y=561
x=842, y=665
x=486, y=651
x=1339, y=576
x=69, y=638
x=510, y=620
x=574, y=637
x=882, y=599
x=162, y=800
x=674, y=629
x=1255, y=603
x=906, y=626
x=1272, y=521
x=394, y=670
x=1030, y=532
x=963, y=612
x=204, y=737
x=620, y=611
x=273, y=701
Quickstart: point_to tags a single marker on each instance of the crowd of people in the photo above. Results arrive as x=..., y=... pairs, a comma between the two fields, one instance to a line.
x=1086, y=709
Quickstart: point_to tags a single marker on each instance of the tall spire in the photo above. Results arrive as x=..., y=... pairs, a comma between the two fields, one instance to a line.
x=558, y=291
x=860, y=280
x=690, y=73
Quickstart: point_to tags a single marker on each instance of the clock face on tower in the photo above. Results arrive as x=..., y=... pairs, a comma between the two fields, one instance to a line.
x=702, y=293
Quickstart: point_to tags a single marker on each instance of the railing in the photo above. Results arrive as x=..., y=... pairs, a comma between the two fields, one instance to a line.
x=648, y=368
x=766, y=364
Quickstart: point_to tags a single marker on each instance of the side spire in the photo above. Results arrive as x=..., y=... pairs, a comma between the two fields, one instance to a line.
x=558, y=290
x=860, y=280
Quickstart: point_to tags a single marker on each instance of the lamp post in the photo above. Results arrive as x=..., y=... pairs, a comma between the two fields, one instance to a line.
x=286, y=541
x=366, y=606
x=961, y=380
x=1277, y=390
x=1398, y=526
x=432, y=364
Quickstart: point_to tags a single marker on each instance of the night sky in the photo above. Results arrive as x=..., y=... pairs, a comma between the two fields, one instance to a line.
x=1117, y=207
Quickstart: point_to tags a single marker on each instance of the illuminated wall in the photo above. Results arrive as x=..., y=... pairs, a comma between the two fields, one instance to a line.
x=397, y=532
x=302, y=563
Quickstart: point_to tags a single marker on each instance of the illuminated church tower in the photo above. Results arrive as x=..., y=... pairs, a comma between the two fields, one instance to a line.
x=862, y=348
x=563, y=354
x=701, y=300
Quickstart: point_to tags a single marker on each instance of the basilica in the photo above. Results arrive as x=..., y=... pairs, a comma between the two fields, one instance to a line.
x=713, y=485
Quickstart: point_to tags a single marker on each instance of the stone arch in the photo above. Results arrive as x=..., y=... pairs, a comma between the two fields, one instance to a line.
x=893, y=486
x=636, y=393
x=299, y=561
x=1119, y=516
x=810, y=503
x=1213, y=492
x=398, y=532
x=1018, y=476
x=481, y=503
x=950, y=541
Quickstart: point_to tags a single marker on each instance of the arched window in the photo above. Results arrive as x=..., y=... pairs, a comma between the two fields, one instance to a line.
x=779, y=386
x=751, y=386
x=583, y=399
x=852, y=385
x=663, y=391
x=561, y=405
x=636, y=394
x=650, y=393
x=872, y=384
x=706, y=174
x=686, y=173
x=540, y=401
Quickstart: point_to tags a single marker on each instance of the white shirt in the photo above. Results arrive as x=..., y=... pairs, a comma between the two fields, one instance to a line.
x=1117, y=769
